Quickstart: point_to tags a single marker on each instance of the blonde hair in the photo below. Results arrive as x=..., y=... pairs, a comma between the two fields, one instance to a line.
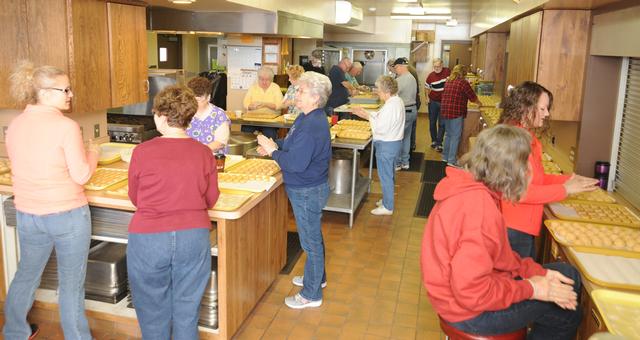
x=500, y=160
x=27, y=79
x=387, y=84
x=459, y=71
x=295, y=71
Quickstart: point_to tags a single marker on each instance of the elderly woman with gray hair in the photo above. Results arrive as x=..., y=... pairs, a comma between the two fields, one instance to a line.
x=263, y=95
x=304, y=155
x=387, y=126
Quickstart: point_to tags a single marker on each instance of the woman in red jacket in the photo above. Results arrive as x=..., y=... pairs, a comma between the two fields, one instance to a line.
x=528, y=106
x=474, y=280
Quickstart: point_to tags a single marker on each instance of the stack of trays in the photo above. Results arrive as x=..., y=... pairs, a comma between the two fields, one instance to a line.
x=364, y=99
x=209, y=303
x=106, y=278
x=110, y=222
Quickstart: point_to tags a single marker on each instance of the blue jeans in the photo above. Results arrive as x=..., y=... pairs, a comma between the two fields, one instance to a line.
x=550, y=322
x=69, y=232
x=522, y=243
x=270, y=132
x=405, y=154
x=436, y=125
x=452, y=135
x=307, y=204
x=168, y=273
x=386, y=154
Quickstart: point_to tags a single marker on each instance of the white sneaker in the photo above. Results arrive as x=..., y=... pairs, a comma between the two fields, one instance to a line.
x=379, y=203
x=298, y=281
x=381, y=210
x=298, y=302
x=398, y=167
x=404, y=167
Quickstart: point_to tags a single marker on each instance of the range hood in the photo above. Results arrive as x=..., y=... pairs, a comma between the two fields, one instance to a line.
x=267, y=23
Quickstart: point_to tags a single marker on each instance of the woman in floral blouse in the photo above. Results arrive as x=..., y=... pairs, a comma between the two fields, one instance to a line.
x=294, y=72
x=210, y=125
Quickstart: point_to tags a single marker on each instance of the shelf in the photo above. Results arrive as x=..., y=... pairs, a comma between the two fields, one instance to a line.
x=120, y=309
x=342, y=202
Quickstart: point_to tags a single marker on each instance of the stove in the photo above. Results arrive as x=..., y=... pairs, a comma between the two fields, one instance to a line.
x=133, y=129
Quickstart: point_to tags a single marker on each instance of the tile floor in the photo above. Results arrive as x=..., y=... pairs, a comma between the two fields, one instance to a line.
x=374, y=288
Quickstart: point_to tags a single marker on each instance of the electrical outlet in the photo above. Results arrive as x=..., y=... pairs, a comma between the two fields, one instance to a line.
x=96, y=131
x=4, y=132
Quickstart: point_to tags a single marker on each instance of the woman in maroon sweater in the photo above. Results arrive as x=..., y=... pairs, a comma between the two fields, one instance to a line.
x=172, y=182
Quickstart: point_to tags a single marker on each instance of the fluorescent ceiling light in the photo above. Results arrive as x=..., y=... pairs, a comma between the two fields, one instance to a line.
x=421, y=17
x=407, y=0
x=372, y=9
x=182, y=2
x=437, y=10
x=413, y=10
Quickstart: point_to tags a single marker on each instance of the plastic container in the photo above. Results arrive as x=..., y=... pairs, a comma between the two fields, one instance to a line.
x=601, y=173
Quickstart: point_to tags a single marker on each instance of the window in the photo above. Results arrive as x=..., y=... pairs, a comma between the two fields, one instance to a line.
x=625, y=156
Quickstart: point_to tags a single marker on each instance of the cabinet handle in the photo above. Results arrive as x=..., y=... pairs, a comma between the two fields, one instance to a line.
x=146, y=86
x=595, y=317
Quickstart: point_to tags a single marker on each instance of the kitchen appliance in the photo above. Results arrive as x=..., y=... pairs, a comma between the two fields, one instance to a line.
x=240, y=142
x=374, y=63
x=135, y=129
x=341, y=171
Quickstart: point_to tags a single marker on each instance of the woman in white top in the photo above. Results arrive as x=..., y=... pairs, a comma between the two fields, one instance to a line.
x=387, y=126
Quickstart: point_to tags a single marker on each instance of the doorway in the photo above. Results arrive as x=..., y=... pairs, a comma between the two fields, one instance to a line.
x=169, y=51
x=456, y=52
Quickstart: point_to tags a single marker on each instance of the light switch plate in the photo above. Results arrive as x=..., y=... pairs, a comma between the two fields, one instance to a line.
x=96, y=131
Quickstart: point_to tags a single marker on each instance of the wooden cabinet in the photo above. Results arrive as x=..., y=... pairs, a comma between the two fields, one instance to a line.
x=127, y=54
x=490, y=56
x=551, y=48
x=73, y=35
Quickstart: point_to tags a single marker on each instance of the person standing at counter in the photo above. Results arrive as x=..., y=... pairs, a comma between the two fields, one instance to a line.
x=387, y=126
x=340, y=87
x=289, y=101
x=435, y=86
x=263, y=95
x=172, y=183
x=210, y=124
x=407, y=92
x=453, y=110
x=356, y=70
x=49, y=165
x=527, y=106
x=304, y=155
x=474, y=280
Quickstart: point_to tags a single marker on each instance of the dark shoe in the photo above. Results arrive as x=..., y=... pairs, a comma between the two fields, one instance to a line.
x=34, y=331
x=434, y=145
x=439, y=148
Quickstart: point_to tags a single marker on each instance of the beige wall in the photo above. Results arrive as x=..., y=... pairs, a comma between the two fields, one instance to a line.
x=152, y=48
x=302, y=47
x=617, y=33
x=190, y=55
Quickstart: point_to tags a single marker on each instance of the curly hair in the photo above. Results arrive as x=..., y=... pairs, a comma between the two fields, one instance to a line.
x=387, y=84
x=500, y=160
x=295, y=71
x=178, y=104
x=520, y=105
x=201, y=86
x=27, y=79
x=459, y=71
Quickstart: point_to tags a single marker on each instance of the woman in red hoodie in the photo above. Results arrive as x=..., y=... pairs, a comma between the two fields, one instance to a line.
x=528, y=106
x=474, y=280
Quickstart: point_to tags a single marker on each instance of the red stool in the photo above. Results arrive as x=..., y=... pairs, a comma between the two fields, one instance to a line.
x=453, y=333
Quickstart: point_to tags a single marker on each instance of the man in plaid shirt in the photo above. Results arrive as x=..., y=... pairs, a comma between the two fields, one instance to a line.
x=457, y=92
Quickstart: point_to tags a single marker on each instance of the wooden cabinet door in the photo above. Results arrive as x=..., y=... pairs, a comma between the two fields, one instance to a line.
x=13, y=38
x=127, y=54
x=89, y=67
x=496, y=48
x=482, y=52
x=564, y=48
x=524, y=41
x=474, y=54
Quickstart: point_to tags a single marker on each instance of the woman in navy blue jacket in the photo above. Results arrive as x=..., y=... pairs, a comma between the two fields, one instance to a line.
x=303, y=156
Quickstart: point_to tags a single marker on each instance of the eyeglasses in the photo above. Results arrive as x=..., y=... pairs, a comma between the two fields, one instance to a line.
x=66, y=91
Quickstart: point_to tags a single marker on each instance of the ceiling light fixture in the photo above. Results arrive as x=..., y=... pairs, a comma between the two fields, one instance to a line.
x=408, y=10
x=437, y=10
x=407, y=0
x=182, y=2
x=421, y=17
x=372, y=9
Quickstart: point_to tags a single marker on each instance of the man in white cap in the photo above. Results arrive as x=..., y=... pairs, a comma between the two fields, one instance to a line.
x=407, y=88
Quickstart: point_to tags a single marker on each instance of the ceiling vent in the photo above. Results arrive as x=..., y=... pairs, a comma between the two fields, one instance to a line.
x=347, y=14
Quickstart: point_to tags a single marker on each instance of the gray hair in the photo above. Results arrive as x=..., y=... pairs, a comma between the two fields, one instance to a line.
x=357, y=64
x=266, y=71
x=318, y=85
x=387, y=84
x=436, y=61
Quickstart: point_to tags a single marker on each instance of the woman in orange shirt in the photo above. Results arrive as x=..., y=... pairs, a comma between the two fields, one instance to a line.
x=49, y=166
x=527, y=106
